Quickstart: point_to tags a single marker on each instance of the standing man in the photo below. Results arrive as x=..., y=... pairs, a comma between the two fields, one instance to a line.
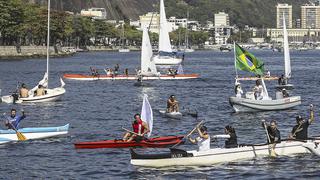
x=13, y=120
x=300, y=130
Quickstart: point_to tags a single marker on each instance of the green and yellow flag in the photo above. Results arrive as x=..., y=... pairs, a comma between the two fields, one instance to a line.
x=247, y=62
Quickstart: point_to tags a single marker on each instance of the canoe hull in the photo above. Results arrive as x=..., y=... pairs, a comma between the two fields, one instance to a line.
x=81, y=77
x=173, y=115
x=33, y=133
x=218, y=155
x=160, y=142
x=250, y=105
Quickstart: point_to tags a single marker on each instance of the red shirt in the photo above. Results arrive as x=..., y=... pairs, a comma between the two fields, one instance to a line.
x=138, y=127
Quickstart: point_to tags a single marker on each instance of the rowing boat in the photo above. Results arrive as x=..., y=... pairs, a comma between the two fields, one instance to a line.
x=33, y=133
x=128, y=77
x=173, y=115
x=158, y=142
x=178, y=157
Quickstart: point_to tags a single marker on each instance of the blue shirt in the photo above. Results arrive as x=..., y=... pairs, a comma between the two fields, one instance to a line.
x=16, y=120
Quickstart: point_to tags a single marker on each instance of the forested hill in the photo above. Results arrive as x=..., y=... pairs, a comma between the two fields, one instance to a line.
x=252, y=12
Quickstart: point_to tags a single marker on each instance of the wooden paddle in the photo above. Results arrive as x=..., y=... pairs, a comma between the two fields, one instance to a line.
x=20, y=136
x=131, y=132
x=195, y=128
x=272, y=152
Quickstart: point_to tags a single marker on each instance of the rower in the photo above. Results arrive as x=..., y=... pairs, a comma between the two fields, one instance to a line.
x=273, y=131
x=140, y=128
x=203, y=140
x=230, y=135
x=300, y=130
x=172, y=104
x=14, y=119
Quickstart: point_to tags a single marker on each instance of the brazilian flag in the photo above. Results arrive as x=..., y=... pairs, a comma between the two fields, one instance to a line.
x=247, y=62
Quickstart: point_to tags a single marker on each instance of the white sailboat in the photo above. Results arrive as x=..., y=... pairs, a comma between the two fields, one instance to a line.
x=165, y=55
x=50, y=94
x=287, y=64
x=123, y=49
x=264, y=102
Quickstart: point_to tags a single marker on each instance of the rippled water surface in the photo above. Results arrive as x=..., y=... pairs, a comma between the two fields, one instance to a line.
x=97, y=110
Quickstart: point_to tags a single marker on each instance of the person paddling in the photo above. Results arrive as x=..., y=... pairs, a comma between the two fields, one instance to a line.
x=203, y=140
x=230, y=136
x=13, y=121
x=300, y=130
x=140, y=128
x=273, y=131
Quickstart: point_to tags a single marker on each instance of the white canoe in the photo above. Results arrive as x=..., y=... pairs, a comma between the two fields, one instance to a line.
x=51, y=95
x=179, y=157
x=33, y=133
x=173, y=115
x=252, y=105
x=82, y=77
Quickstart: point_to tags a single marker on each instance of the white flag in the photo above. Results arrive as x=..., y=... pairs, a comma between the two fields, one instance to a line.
x=146, y=113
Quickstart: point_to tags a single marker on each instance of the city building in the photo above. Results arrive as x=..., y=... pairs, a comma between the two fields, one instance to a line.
x=287, y=11
x=310, y=16
x=222, y=28
x=174, y=23
x=221, y=19
x=151, y=19
x=95, y=13
x=295, y=35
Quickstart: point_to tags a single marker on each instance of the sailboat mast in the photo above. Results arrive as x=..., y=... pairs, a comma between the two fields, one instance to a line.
x=48, y=41
x=187, y=38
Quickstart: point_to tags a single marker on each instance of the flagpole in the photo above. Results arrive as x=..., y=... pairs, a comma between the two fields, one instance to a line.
x=235, y=58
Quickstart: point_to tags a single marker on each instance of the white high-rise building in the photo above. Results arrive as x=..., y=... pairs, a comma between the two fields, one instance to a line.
x=287, y=11
x=310, y=16
x=221, y=19
x=151, y=19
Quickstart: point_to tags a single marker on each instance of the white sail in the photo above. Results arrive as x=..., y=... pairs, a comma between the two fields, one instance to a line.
x=180, y=69
x=164, y=39
x=146, y=113
x=148, y=67
x=287, y=66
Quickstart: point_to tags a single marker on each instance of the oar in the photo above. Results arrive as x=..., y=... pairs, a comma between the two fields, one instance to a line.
x=195, y=128
x=131, y=131
x=20, y=136
x=272, y=152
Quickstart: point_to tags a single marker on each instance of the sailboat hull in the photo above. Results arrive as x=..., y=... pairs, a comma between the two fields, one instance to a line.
x=166, y=60
x=252, y=105
x=287, y=87
x=81, y=77
x=52, y=95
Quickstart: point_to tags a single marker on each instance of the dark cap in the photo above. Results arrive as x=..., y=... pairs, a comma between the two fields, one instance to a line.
x=299, y=118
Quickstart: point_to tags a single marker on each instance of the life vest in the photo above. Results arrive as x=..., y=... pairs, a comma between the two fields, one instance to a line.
x=138, y=127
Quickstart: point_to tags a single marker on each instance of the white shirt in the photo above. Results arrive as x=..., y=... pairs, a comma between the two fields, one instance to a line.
x=203, y=144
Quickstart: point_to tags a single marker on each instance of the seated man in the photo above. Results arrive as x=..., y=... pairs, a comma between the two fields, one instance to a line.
x=13, y=120
x=140, y=128
x=172, y=104
x=40, y=91
x=285, y=94
x=203, y=140
x=24, y=91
